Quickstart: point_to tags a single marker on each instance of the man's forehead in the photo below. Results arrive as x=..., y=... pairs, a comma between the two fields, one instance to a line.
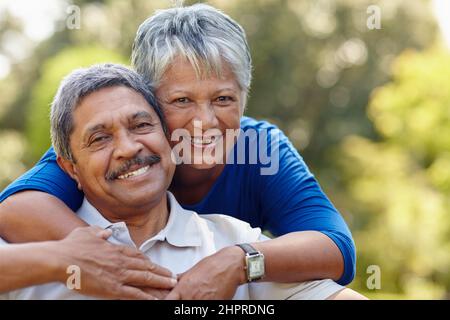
x=101, y=121
x=111, y=99
x=109, y=105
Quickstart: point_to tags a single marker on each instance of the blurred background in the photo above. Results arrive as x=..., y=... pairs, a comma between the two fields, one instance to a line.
x=366, y=104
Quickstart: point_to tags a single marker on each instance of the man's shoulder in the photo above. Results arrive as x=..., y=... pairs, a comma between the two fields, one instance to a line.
x=227, y=229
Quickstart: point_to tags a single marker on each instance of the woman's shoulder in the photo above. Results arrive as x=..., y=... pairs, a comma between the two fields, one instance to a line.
x=254, y=130
x=264, y=136
x=252, y=123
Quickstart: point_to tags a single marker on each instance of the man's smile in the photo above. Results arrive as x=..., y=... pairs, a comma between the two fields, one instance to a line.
x=134, y=168
x=134, y=173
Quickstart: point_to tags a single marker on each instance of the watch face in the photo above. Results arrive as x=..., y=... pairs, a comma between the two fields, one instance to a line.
x=255, y=266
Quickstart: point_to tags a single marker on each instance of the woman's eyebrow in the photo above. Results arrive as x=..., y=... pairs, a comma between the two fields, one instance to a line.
x=229, y=89
x=177, y=91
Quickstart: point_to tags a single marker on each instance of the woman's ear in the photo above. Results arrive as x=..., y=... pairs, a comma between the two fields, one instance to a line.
x=69, y=167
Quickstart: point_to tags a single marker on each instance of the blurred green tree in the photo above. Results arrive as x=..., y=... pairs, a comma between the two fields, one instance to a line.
x=400, y=185
x=53, y=71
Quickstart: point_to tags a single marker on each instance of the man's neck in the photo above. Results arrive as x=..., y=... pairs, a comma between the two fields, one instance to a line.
x=190, y=185
x=142, y=223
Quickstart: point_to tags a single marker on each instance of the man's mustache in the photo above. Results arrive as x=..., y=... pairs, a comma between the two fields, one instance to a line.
x=125, y=167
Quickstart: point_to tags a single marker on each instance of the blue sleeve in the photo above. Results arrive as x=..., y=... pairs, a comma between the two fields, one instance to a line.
x=47, y=176
x=292, y=200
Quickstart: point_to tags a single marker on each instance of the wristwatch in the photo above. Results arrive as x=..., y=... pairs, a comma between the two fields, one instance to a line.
x=254, y=262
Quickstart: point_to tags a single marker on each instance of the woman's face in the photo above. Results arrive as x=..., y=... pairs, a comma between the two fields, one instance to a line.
x=199, y=111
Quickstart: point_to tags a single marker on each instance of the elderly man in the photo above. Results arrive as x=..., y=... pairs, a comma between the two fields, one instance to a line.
x=110, y=137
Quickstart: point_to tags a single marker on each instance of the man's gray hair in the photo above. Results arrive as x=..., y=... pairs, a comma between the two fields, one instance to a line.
x=83, y=82
x=201, y=33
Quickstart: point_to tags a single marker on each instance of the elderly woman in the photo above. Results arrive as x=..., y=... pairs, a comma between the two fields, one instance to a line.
x=198, y=61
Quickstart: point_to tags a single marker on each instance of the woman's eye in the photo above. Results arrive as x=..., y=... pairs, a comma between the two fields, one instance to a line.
x=224, y=99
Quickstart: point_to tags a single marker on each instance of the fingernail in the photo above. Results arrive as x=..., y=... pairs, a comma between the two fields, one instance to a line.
x=173, y=281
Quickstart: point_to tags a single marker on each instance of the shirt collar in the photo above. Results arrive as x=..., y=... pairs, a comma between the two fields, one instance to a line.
x=91, y=216
x=182, y=228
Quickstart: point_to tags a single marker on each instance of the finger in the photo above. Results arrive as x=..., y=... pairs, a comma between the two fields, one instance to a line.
x=90, y=229
x=143, y=263
x=132, y=252
x=160, y=270
x=95, y=231
x=173, y=295
x=104, y=233
x=157, y=293
x=148, y=279
x=132, y=293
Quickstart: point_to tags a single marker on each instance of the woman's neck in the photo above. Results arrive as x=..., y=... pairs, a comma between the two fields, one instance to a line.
x=190, y=185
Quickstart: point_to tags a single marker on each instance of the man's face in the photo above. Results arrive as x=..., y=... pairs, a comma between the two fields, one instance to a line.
x=116, y=142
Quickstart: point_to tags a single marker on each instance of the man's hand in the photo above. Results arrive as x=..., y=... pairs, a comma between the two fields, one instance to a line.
x=214, y=277
x=110, y=271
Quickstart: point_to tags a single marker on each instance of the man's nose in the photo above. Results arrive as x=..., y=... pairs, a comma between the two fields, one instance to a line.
x=126, y=146
x=207, y=115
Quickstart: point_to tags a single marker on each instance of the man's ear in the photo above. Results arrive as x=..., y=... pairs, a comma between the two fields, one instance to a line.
x=69, y=168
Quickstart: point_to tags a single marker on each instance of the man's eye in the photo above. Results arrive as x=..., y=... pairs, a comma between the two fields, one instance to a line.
x=143, y=125
x=98, y=139
x=182, y=100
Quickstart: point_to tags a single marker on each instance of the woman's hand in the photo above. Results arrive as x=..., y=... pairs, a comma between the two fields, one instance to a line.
x=214, y=277
x=107, y=270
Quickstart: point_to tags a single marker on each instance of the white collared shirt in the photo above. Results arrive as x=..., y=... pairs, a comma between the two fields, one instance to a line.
x=185, y=240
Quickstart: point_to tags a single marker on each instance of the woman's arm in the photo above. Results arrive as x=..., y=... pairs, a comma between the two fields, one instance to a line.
x=295, y=257
x=318, y=258
x=39, y=205
x=36, y=216
x=293, y=204
x=23, y=265
x=314, y=241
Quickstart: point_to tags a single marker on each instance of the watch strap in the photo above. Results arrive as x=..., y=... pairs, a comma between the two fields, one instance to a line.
x=248, y=248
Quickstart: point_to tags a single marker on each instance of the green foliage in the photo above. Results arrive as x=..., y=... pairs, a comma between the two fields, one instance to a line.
x=413, y=110
x=400, y=185
x=12, y=147
x=52, y=72
x=316, y=63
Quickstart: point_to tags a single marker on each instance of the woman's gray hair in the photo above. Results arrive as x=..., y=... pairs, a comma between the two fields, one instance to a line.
x=201, y=33
x=83, y=82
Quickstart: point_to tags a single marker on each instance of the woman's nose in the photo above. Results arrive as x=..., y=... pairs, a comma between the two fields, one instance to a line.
x=207, y=116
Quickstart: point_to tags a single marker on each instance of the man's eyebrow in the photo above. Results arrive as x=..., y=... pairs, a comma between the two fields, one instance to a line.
x=141, y=114
x=92, y=129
